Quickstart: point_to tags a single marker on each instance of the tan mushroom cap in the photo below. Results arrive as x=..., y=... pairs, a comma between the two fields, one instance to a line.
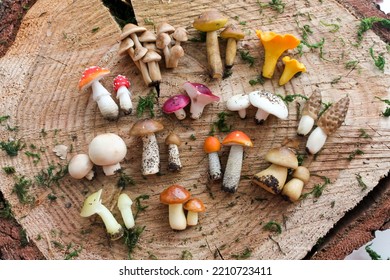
x=175, y=194
x=173, y=138
x=165, y=27
x=194, y=205
x=180, y=34
x=147, y=37
x=163, y=40
x=232, y=31
x=208, y=21
x=302, y=173
x=151, y=56
x=125, y=44
x=129, y=29
x=282, y=156
x=145, y=126
x=139, y=53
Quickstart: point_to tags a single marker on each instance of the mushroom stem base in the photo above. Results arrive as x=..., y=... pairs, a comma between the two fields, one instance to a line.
x=106, y=104
x=316, y=140
x=261, y=116
x=232, y=175
x=192, y=218
x=110, y=170
x=177, y=218
x=150, y=155
x=114, y=229
x=213, y=55
x=180, y=114
x=174, y=163
x=124, y=96
x=231, y=51
x=215, y=171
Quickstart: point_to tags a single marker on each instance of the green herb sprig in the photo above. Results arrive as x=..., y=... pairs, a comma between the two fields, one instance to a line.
x=373, y=255
x=221, y=124
x=138, y=204
x=247, y=57
x=125, y=181
x=51, y=176
x=146, y=103
x=276, y=5
x=318, y=188
x=12, y=147
x=385, y=113
x=367, y=24
x=20, y=188
x=244, y=255
x=273, y=226
x=354, y=153
x=131, y=237
x=378, y=61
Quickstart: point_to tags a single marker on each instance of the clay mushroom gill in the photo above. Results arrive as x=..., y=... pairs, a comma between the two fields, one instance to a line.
x=175, y=196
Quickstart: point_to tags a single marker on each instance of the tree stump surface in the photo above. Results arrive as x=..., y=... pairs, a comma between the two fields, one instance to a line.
x=39, y=78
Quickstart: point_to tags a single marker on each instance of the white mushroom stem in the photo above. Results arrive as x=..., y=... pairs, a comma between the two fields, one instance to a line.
x=106, y=104
x=261, y=116
x=110, y=170
x=154, y=71
x=196, y=110
x=316, y=140
x=242, y=113
x=174, y=163
x=150, y=155
x=305, y=125
x=112, y=226
x=177, y=218
x=215, y=171
x=192, y=218
x=124, y=205
x=90, y=175
x=180, y=114
x=124, y=96
x=232, y=175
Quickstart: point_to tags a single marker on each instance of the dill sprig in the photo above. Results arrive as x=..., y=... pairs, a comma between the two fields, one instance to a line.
x=291, y=97
x=131, y=237
x=373, y=255
x=244, y=255
x=12, y=147
x=354, y=153
x=146, y=103
x=51, y=175
x=139, y=207
x=318, y=188
x=385, y=113
x=186, y=255
x=9, y=170
x=367, y=23
x=124, y=180
x=247, y=57
x=335, y=27
x=259, y=80
x=276, y=5
x=4, y=118
x=361, y=182
x=363, y=133
x=273, y=226
x=378, y=61
x=5, y=210
x=221, y=124
x=20, y=188
x=72, y=254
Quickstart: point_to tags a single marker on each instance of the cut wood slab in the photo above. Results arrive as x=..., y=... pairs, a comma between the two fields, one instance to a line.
x=39, y=79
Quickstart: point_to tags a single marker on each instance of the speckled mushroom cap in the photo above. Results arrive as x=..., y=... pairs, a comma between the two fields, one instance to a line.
x=131, y=28
x=332, y=119
x=91, y=74
x=232, y=31
x=173, y=138
x=282, y=156
x=313, y=105
x=269, y=102
x=194, y=205
x=145, y=126
x=175, y=194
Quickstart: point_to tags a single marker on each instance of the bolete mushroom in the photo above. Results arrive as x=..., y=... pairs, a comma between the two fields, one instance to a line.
x=310, y=113
x=107, y=150
x=209, y=22
x=175, y=196
x=146, y=129
x=200, y=96
x=233, y=34
x=292, y=190
x=240, y=103
x=237, y=140
x=91, y=77
x=121, y=87
x=124, y=206
x=173, y=141
x=212, y=146
x=81, y=166
x=176, y=105
x=194, y=206
x=327, y=124
x=93, y=205
x=267, y=103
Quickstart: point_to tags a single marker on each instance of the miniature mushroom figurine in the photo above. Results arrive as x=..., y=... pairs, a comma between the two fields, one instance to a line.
x=233, y=34
x=164, y=40
x=177, y=51
x=310, y=113
x=237, y=140
x=127, y=46
x=212, y=146
x=146, y=129
x=93, y=205
x=107, y=150
x=292, y=190
x=124, y=206
x=173, y=141
x=152, y=58
x=121, y=87
x=274, y=177
x=240, y=103
x=200, y=96
x=176, y=105
x=175, y=196
x=80, y=166
x=106, y=104
x=327, y=124
x=267, y=103
x=292, y=68
x=209, y=22
x=194, y=206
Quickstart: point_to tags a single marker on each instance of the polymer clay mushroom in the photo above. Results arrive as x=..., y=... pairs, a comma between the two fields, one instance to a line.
x=127, y=46
x=176, y=105
x=121, y=87
x=239, y=103
x=80, y=166
x=91, y=77
x=327, y=124
x=200, y=96
x=107, y=150
x=177, y=51
x=233, y=34
x=194, y=206
x=173, y=141
x=292, y=67
x=267, y=104
x=310, y=113
x=163, y=41
x=212, y=146
x=237, y=140
x=292, y=190
x=146, y=129
x=175, y=196
x=124, y=206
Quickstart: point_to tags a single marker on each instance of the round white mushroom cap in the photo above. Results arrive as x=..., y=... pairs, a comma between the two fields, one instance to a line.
x=107, y=149
x=270, y=103
x=239, y=102
x=80, y=166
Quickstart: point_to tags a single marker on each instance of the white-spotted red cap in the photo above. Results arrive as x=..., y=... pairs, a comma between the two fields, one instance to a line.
x=92, y=74
x=121, y=81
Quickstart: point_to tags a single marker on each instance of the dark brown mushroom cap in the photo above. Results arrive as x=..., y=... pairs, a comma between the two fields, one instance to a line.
x=194, y=205
x=173, y=138
x=145, y=127
x=175, y=194
x=282, y=156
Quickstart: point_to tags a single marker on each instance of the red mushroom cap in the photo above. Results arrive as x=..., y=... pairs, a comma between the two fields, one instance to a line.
x=200, y=92
x=120, y=81
x=92, y=74
x=175, y=103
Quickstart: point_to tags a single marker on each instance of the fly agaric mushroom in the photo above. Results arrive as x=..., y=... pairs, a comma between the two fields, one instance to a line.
x=237, y=140
x=180, y=35
x=107, y=150
x=240, y=103
x=212, y=146
x=81, y=166
x=175, y=196
x=146, y=129
x=200, y=97
x=233, y=34
x=93, y=205
x=292, y=190
x=176, y=105
x=173, y=141
x=210, y=22
x=194, y=206
x=328, y=123
x=291, y=68
x=274, y=177
x=267, y=103
x=106, y=104
x=124, y=206
x=274, y=46
x=121, y=87
x=310, y=113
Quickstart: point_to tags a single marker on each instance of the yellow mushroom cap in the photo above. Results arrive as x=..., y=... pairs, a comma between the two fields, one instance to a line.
x=282, y=156
x=291, y=68
x=232, y=31
x=208, y=21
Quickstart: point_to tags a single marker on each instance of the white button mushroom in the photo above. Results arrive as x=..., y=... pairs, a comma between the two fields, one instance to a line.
x=240, y=103
x=267, y=103
x=124, y=206
x=107, y=150
x=80, y=166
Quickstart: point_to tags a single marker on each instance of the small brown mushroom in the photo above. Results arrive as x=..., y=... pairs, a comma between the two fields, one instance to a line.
x=151, y=59
x=194, y=206
x=292, y=190
x=232, y=33
x=177, y=51
x=173, y=141
x=175, y=196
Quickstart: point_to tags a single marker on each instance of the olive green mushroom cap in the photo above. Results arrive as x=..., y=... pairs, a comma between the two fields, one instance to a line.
x=145, y=126
x=232, y=31
x=208, y=21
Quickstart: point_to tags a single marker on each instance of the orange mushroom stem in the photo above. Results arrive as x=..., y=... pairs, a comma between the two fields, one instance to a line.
x=291, y=68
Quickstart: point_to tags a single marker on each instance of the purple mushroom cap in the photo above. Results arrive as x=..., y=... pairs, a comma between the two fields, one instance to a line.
x=201, y=90
x=176, y=103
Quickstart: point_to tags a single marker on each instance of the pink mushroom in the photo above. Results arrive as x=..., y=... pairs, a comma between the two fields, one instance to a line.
x=121, y=87
x=176, y=104
x=200, y=96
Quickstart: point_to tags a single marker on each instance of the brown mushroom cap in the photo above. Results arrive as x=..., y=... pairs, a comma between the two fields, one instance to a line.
x=147, y=37
x=151, y=56
x=163, y=40
x=129, y=29
x=282, y=156
x=145, y=127
x=173, y=138
x=125, y=44
x=180, y=34
x=302, y=173
x=194, y=205
x=165, y=27
x=175, y=194
x=232, y=31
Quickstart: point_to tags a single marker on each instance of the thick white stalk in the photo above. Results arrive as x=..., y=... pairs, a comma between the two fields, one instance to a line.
x=196, y=110
x=261, y=116
x=110, y=170
x=113, y=227
x=232, y=175
x=192, y=218
x=124, y=96
x=128, y=217
x=150, y=155
x=106, y=104
x=180, y=114
x=242, y=113
x=174, y=163
x=177, y=218
x=90, y=175
x=305, y=125
x=215, y=170
x=316, y=140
